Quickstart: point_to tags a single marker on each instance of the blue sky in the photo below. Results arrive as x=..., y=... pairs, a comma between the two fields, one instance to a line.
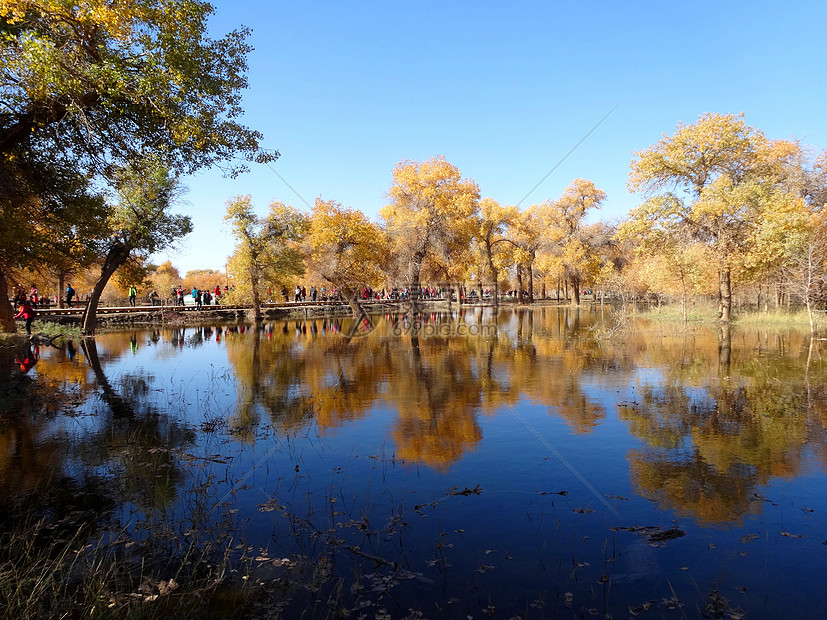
x=346, y=90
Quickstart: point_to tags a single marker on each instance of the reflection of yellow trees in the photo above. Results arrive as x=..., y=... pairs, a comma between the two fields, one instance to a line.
x=708, y=441
x=28, y=462
x=712, y=441
x=439, y=375
x=437, y=396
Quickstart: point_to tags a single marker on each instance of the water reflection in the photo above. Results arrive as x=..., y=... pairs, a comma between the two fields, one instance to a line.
x=699, y=422
x=715, y=414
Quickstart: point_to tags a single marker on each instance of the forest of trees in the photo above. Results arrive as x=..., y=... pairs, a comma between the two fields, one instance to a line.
x=105, y=109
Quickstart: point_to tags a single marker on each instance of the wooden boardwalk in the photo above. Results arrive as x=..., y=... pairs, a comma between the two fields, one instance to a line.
x=371, y=304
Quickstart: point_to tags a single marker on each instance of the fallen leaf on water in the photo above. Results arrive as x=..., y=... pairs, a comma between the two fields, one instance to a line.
x=792, y=535
x=748, y=538
x=583, y=511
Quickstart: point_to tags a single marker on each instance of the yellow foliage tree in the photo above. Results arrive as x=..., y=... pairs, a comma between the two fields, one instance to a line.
x=431, y=212
x=345, y=248
x=715, y=178
x=265, y=252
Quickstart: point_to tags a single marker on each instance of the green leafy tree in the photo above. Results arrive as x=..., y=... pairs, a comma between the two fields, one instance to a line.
x=265, y=252
x=139, y=222
x=88, y=88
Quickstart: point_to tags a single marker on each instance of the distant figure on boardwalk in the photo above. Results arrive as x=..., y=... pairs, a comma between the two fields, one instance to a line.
x=70, y=293
x=133, y=293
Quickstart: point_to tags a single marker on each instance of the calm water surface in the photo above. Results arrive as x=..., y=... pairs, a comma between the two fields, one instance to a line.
x=539, y=464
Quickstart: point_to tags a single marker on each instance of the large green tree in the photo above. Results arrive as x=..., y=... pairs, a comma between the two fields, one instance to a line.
x=93, y=86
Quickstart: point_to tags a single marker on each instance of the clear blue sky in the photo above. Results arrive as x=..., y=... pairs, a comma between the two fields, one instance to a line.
x=346, y=90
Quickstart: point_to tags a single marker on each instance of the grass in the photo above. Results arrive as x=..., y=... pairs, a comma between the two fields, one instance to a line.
x=47, y=330
x=708, y=313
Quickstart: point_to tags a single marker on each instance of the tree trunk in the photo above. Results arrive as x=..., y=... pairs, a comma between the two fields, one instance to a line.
x=725, y=295
x=7, y=324
x=114, y=258
x=254, y=280
x=519, y=284
x=61, y=282
x=531, y=283
x=415, y=286
x=352, y=297
x=575, y=287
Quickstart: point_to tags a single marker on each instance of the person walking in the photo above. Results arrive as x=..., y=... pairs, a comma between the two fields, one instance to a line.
x=133, y=293
x=70, y=293
x=27, y=313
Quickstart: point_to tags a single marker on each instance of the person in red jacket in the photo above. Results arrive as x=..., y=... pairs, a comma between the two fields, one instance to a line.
x=27, y=313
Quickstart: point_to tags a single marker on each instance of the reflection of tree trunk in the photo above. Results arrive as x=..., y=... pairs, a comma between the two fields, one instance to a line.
x=7, y=323
x=724, y=349
x=121, y=408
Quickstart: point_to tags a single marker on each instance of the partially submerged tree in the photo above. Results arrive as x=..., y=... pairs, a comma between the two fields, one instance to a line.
x=264, y=252
x=139, y=221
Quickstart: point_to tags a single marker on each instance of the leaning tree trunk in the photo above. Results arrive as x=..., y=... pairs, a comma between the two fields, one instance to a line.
x=7, y=324
x=116, y=257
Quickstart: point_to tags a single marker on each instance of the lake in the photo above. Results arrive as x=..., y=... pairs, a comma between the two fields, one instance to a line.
x=545, y=463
